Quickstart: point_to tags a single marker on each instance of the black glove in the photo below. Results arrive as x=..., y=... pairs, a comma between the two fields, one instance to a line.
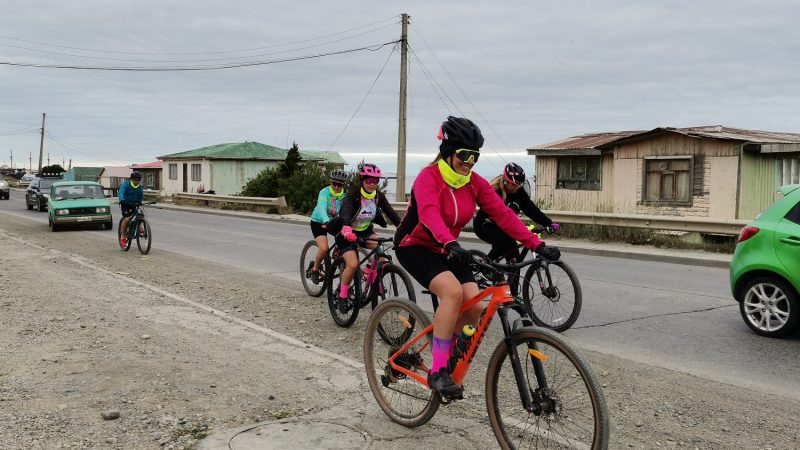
x=550, y=253
x=457, y=254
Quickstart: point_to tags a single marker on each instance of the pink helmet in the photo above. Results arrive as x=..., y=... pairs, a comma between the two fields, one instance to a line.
x=370, y=170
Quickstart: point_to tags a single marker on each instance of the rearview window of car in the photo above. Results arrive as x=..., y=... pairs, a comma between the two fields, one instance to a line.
x=794, y=214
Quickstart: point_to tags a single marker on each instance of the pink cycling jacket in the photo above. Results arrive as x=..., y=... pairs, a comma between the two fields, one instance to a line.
x=437, y=212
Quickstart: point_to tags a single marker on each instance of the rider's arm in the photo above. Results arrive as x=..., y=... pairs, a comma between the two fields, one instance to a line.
x=348, y=209
x=426, y=197
x=387, y=209
x=531, y=210
x=320, y=213
x=503, y=216
x=121, y=193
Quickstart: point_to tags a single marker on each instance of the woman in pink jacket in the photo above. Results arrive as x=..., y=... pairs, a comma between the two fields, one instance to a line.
x=443, y=200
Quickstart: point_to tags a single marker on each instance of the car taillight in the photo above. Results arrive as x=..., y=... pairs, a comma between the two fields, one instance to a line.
x=747, y=233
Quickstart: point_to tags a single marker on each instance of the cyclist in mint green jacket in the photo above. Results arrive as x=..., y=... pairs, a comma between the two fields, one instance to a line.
x=329, y=202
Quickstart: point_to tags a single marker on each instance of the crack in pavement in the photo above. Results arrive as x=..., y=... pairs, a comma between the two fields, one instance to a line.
x=634, y=319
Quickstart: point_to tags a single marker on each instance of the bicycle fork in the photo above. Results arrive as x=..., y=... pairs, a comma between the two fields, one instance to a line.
x=516, y=364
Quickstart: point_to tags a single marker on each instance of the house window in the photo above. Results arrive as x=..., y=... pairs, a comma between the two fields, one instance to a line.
x=173, y=171
x=668, y=180
x=788, y=171
x=195, y=172
x=579, y=173
x=150, y=180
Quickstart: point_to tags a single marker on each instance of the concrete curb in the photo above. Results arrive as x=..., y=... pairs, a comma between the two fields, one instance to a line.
x=594, y=249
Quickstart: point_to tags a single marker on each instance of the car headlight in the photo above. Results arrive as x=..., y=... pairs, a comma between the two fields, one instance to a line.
x=46, y=195
x=62, y=212
x=102, y=209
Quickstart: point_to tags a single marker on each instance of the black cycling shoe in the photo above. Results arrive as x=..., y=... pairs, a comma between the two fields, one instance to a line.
x=443, y=384
x=343, y=304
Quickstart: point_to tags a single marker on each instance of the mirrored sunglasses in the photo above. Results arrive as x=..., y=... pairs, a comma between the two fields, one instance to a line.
x=468, y=155
x=337, y=184
x=371, y=180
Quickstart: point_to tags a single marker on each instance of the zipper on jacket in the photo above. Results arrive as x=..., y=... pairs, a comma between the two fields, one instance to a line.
x=455, y=203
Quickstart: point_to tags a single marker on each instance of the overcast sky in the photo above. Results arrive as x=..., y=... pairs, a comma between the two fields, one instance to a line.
x=527, y=72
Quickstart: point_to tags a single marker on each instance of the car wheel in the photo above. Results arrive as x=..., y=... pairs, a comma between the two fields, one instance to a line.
x=770, y=307
x=39, y=205
x=108, y=226
x=30, y=207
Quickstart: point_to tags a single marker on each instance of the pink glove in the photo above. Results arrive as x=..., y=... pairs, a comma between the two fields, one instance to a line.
x=348, y=234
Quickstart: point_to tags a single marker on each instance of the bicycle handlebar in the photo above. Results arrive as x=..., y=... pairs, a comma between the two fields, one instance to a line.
x=379, y=240
x=501, y=267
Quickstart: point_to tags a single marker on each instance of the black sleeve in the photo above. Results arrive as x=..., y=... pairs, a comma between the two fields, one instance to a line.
x=348, y=210
x=531, y=210
x=387, y=209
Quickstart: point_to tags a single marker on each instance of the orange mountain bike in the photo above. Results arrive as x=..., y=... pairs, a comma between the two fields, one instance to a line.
x=540, y=393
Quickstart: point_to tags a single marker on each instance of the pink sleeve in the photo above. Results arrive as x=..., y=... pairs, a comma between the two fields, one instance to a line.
x=504, y=217
x=426, y=194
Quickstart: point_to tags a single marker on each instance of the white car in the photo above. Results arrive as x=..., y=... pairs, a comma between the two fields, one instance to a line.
x=5, y=191
x=26, y=179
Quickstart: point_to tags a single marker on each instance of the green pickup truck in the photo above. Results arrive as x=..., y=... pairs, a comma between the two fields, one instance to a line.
x=78, y=203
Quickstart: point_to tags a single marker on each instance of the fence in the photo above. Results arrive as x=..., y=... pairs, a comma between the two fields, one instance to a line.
x=670, y=223
x=278, y=202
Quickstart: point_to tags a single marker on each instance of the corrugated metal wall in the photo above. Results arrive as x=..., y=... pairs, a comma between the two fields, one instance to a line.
x=758, y=184
x=229, y=176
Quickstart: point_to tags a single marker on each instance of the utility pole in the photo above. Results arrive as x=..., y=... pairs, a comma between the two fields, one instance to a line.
x=30, y=162
x=12, y=158
x=70, y=164
x=41, y=147
x=48, y=159
x=400, y=196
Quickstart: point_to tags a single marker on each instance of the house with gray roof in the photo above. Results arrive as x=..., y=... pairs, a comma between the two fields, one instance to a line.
x=226, y=168
x=713, y=171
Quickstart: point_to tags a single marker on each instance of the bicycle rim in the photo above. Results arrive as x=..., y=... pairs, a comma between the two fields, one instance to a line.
x=393, y=283
x=573, y=409
x=306, y=258
x=346, y=315
x=403, y=399
x=144, y=240
x=557, y=305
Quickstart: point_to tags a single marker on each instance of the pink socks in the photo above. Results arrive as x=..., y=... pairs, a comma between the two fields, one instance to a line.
x=343, y=289
x=441, y=352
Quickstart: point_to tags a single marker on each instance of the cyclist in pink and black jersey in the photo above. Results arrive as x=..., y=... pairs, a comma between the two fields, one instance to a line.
x=443, y=200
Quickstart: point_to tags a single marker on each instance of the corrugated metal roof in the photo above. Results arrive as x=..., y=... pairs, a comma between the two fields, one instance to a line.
x=150, y=165
x=738, y=134
x=328, y=157
x=239, y=150
x=586, y=141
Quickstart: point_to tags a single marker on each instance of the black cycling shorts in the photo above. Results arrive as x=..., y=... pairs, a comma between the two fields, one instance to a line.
x=423, y=264
x=128, y=209
x=317, y=230
x=345, y=245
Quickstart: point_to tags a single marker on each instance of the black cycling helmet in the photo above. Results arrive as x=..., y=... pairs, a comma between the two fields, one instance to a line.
x=136, y=175
x=514, y=174
x=458, y=132
x=338, y=175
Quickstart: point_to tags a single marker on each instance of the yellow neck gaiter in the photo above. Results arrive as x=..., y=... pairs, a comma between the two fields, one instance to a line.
x=134, y=185
x=367, y=195
x=334, y=194
x=451, y=177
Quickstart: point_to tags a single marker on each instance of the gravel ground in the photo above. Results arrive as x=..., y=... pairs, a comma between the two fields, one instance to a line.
x=83, y=334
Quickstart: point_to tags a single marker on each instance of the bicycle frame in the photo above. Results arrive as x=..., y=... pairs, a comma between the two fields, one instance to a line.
x=132, y=230
x=500, y=298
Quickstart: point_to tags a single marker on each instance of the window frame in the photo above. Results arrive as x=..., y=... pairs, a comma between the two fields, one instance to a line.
x=173, y=171
x=660, y=201
x=199, y=168
x=150, y=180
x=793, y=215
x=561, y=182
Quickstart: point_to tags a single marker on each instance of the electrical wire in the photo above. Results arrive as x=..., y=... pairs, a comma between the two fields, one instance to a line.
x=363, y=99
x=206, y=53
x=430, y=80
x=19, y=131
x=49, y=135
x=372, y=48
x=198, y=60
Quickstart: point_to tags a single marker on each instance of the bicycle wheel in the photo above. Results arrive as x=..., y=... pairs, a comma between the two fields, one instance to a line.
x=124, y=248
x=394, y=282
x=144, y=237
x=343, y=311
x=556, y=304
x=405, y=400
x=307, y=255
x=570, y=407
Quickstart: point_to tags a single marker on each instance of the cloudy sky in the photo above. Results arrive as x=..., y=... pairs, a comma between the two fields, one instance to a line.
x=528, y=72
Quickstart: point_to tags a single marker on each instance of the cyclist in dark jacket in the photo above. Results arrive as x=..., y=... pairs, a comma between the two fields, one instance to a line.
x=131, y=195
x=510, y=187
x=361, y=207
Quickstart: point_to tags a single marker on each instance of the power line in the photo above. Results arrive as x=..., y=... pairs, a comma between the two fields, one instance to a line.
x=372, y=48
x=19, y=131
x=430, y=80
x=204, y=53
x=199, y=60
x=363, y=99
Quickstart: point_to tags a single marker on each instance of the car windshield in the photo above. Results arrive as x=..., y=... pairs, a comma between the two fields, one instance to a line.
x=44, y=185
x=77, y=191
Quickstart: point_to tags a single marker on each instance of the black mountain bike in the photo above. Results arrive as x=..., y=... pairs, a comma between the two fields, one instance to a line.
x=379, y=280
x=139, y=229
x=549, y=292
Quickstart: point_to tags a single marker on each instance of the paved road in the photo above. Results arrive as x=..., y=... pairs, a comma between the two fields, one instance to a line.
x=668, y=315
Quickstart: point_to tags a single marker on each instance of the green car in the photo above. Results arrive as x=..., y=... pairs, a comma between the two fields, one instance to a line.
x=765, y=270
x=78, y=203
